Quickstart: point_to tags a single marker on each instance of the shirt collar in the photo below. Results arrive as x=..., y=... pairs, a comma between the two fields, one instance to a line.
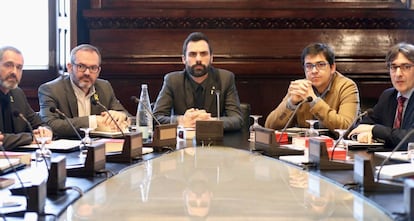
x=406, y=95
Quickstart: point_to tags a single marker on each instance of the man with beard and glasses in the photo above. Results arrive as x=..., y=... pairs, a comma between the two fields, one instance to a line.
x=335, y=98
x=190, y=95
x=14, y=131
x=73, y=95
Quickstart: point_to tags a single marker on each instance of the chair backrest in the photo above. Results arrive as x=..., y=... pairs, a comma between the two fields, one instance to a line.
x=245, y=110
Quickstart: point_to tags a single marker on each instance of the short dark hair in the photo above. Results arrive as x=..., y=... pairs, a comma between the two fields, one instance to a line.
x=404, y=48
x=84, y=47
x=8, y=48
x=196, y=36
x=317, y=48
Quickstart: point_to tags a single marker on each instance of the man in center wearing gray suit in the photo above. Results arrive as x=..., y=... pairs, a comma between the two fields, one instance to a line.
x=190, y=95
x=76, y=94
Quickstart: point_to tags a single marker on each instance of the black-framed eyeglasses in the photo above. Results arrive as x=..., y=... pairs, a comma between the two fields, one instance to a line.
x=92, y=69
x=318, y=65
x=403, y=67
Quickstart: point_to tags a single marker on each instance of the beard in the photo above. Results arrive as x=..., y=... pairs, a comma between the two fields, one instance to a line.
x=197, y=70
x=8, y=82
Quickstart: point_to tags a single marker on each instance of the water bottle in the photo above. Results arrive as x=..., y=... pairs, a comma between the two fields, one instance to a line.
x=144, y=118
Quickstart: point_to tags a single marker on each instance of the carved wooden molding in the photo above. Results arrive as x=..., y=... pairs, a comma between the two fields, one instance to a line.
x=248, y=23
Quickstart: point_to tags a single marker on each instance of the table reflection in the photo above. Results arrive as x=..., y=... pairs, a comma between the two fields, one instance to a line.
x=217, y=183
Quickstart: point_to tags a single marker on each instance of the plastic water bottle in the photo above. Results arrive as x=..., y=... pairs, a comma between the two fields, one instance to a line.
x=144, y=118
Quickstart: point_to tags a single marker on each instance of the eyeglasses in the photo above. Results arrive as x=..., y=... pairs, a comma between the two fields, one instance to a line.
x=318, y=65
x=402, y=67
x=92, y=69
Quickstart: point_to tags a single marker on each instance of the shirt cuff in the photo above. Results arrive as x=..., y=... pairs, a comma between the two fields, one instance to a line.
x=313, y=102
x=290, y=106
x=93, y=123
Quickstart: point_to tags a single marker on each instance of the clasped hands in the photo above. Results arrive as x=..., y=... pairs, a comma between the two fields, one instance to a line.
x=105, y=122
x=299, y=90
x=191, y=116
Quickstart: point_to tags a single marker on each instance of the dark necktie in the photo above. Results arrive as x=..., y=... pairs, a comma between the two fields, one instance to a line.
x=400, y=108
x=199, y=97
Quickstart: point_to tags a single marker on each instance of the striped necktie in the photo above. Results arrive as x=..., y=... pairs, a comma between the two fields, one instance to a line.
x=400, y=108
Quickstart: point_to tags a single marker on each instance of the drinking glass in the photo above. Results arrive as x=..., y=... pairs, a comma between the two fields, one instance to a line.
x=341, y=142
x=254, y=125
x=311, y=132
x=43, y=152
x=85, y=141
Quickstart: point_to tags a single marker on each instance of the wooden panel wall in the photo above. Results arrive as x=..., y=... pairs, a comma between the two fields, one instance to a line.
x=260, y=41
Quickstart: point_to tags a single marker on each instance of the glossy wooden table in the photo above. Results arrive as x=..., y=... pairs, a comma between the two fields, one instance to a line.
x=219, y=183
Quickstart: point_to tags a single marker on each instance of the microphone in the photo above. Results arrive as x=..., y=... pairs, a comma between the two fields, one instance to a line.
x=17, y=114
x=55, y=110
x=95, y=101
x=308, y=99
x=36, y=193
x=367, y=112
x=168, y=131
x=217, y=92
x=136, y=100
x=405, y=138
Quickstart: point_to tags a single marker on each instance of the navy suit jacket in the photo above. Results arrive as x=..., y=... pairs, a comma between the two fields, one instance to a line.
x=21, y=134
x=383, y=118
x=176, y=96
x=59, y=94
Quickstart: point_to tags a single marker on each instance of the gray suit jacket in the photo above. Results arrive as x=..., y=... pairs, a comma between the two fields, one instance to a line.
x=59, y=94
x=21, y=134
x=176, y=96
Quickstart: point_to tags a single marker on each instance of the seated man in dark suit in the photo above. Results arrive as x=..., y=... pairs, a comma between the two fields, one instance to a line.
x=393, y=115
x=13, y=104
x=72, y=95
x=190, y=95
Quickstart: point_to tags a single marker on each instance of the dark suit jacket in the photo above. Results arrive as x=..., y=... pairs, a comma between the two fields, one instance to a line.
x=176, y=96
x=21, y=134
x=383, y=119
x=59, y=94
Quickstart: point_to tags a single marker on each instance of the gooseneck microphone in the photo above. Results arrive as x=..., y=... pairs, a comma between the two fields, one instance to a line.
x=17, y=114
x=95, y=101
x=308, y=99
x=367, y=112
x=136, y=100
x=29, y=125
x=56, y=110
x=405, y=138
x=217, y=92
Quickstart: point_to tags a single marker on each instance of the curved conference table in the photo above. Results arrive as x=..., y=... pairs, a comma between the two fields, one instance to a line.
x=219, y=183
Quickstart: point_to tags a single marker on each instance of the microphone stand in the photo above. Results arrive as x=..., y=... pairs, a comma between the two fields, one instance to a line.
x=168, y=131
x=95, y=158
x=308, y=99
x=132, y=147
x=36, y=193
x=364, y=172
x=265, y=138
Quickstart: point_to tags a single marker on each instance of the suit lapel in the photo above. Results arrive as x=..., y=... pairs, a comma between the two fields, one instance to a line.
x=71, y=98
x=408, y=114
